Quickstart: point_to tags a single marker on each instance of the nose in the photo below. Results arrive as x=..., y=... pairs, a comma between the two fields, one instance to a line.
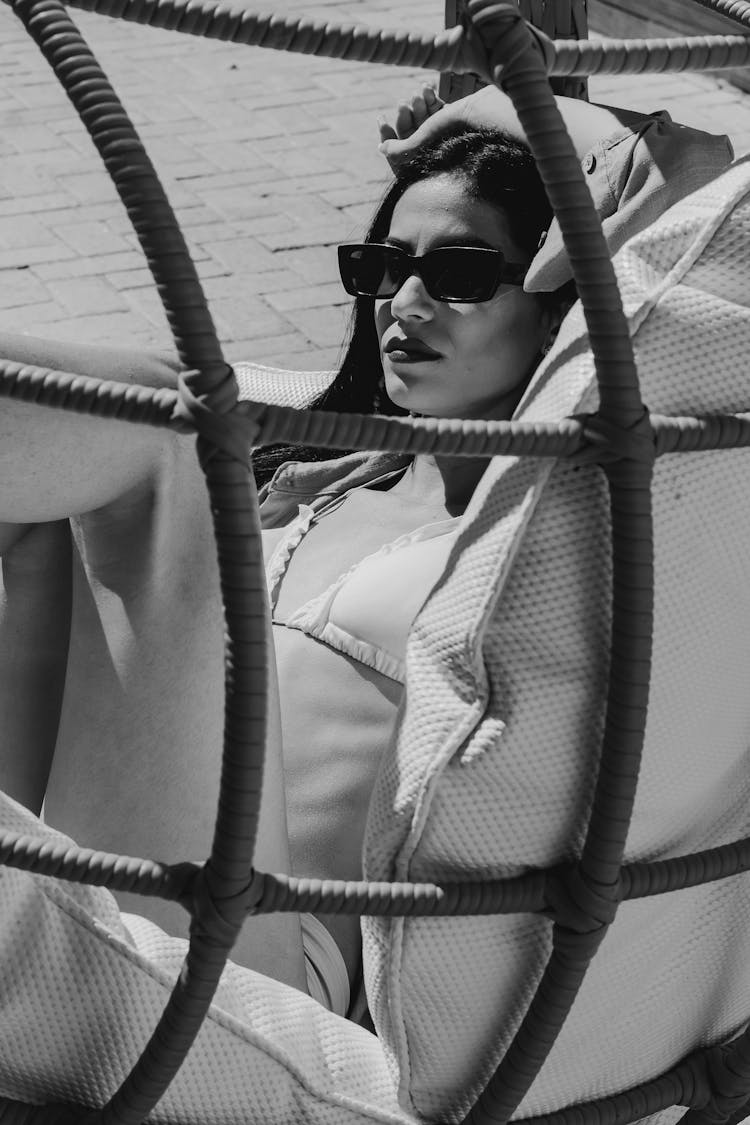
x=412, y=301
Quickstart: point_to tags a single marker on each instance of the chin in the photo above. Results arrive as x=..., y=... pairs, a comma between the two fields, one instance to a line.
x=409, y=398
x=427, y=410
x=398, y=393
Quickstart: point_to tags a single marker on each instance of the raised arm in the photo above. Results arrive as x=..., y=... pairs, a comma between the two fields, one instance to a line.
x=639, y=164
x=490, y=108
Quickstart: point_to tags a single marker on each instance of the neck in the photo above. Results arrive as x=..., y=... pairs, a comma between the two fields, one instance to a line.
x=445, y=481
x=451, y=481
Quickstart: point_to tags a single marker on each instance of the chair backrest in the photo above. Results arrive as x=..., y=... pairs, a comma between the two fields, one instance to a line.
x=559, y=19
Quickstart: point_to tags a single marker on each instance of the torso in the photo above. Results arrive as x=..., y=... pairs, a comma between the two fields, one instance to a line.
x=337, y=713
x=349, y=530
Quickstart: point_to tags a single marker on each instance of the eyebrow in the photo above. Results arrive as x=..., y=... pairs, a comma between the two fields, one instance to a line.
x=458, y=240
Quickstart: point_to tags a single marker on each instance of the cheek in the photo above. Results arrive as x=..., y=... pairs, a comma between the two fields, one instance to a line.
x=383, y=317
x=515, y=324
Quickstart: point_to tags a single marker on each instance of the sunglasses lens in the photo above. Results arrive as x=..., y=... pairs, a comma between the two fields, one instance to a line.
x=450, y=273
x=369, y=270
x=461, y=273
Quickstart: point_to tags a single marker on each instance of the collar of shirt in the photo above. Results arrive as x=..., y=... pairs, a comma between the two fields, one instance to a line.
x=634, y=175
x=315, y=482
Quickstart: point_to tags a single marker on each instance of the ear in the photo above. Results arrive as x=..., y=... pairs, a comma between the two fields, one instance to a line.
x=552, y=319
x=551, y=337
x=552, y=316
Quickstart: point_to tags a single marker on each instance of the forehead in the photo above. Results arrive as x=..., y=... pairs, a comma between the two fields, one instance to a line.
x=440, y=211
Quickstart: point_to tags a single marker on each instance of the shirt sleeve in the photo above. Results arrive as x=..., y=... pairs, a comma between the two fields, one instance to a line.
x=634, y=176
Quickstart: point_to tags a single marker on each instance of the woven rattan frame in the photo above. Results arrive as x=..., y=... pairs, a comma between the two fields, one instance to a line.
x=558, y=19
x=581, y=899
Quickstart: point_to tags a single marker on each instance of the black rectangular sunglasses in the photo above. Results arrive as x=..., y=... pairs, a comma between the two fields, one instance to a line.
x=466, y=274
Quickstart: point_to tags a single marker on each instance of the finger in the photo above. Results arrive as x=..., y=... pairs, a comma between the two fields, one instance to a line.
x=387, y=132
x=418, y=110
x=404, y=121
x=432, y=99
x=395, y=151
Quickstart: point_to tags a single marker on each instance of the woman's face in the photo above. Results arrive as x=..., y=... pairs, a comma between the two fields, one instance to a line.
x=456, y=360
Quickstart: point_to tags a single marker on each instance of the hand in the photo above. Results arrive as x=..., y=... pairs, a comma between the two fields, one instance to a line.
x=418, y=121
x=410, y=117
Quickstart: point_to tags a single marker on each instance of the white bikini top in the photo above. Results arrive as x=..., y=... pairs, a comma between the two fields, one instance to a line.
x=368, y=611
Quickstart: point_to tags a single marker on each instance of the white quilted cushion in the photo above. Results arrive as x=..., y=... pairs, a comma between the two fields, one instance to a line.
x=275, y=385
x=83, y=987
x=496, y=751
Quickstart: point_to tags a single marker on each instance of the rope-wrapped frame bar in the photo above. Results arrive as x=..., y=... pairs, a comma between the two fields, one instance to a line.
x=564, y=19
x=520, y=63
x=447, y=51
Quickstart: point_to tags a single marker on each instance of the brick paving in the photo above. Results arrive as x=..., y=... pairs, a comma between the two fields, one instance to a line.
x=268, y=158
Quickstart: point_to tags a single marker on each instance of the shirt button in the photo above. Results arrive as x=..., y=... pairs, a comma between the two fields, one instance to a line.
x=589, y=163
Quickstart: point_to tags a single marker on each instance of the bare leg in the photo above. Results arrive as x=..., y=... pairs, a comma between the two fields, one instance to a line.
x=137, y=756
x=35, y=573
x=152, y=369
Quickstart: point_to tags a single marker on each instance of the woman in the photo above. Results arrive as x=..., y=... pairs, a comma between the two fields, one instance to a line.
x=443, y=328
x=132, y=663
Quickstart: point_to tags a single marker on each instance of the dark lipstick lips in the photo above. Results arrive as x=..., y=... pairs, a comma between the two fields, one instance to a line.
x=411, y=347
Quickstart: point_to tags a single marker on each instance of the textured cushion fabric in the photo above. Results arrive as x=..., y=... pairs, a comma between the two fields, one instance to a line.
x=83, y=987
x=495, y=754
x=298, y=389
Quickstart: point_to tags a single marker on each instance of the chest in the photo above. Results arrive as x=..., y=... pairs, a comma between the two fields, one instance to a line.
x=340, y=537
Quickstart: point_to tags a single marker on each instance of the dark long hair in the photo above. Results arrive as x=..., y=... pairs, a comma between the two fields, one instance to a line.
x=493, y=167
